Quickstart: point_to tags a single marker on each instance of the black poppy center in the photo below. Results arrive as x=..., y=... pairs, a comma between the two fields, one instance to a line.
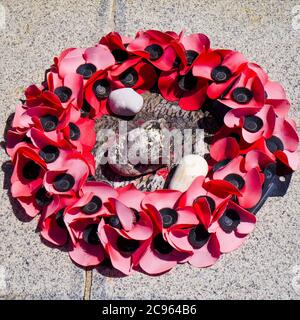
x=119, y=55
x=220, y=164
x=137, y=216
x=49, y=122
x=101, y=89
x=60, y=218
x=220, y=74
x=74, y=131
x=49, y=154
x=129, y=77
x=63, y=93
x=236, y=180
x=31, y=170
x=127, y=245
x=90, y=234
x=114, y=221
x=198, y=236
x=229, y=220
x=93, y=206
x=63, y=182
x=191, y=55
x=161, y=246
x=242, y=95
x=253, y=123
x=155, y=51
x=274, y=144
x=187, y=82
x=42, y=197
x=86, y=70
x=85, y=109
x=169, y=217
x=210, y=200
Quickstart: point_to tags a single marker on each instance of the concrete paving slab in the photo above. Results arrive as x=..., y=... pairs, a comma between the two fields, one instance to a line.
x=267, y=266
x=34, y=32
x=262, y=30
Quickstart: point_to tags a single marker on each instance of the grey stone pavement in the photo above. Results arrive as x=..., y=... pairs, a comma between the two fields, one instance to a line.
x=268, y=265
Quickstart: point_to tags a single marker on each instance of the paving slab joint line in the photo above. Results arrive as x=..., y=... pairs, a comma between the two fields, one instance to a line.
x=88, y=280
x=113, y=15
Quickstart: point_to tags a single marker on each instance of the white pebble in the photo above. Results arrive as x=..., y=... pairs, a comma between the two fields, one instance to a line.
x=190, y=167
x=125, y=102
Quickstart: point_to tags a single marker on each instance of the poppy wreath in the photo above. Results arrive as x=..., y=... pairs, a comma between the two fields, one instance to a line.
x=50, y=142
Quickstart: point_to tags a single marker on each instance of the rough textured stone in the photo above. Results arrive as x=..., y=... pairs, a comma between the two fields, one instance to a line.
x=36, y=31
x=265, y=267
x=262, y=30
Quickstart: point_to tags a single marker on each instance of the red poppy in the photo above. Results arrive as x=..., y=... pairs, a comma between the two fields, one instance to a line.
x=118, y=46
x=219, y=66
x=158, y=45
x=81, y=133
x=133, y=73
x=40, y=96
x=96, y=92
x=51, y=223
x=27, y=178
x=207, y=206
x=188, y=90
x=245, y=90
x=249, y=183
x=193, y=46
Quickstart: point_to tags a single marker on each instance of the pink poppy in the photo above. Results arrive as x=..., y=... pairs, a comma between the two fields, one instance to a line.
x=124, y=213
x=255, y=123
x=69, y=89
x=82, y=220
x=124, y=252
x=233, y=227
x=68, y=179
x=196, y=239
x=126, y=229
x=84, y=62
x=159, y=255
x=283, y=143
x=57, y=154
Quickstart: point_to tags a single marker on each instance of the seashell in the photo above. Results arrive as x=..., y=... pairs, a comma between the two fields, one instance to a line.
x=125, y=102
x=190, y=167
